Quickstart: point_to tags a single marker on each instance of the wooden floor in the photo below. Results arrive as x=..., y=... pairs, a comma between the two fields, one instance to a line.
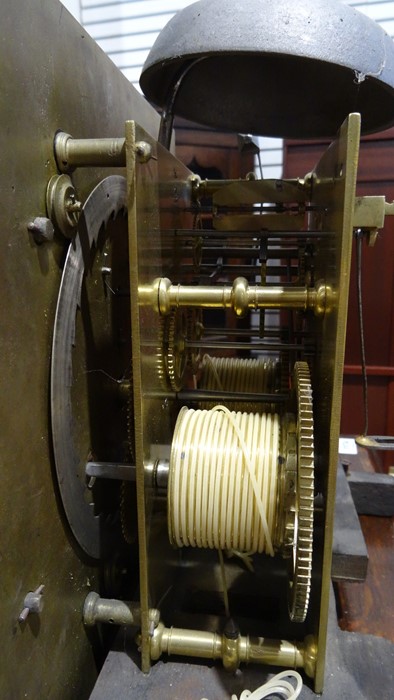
x=369, y=607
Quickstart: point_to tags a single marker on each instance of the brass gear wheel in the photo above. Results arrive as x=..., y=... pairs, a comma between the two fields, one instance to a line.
x=161, y=349
x=173, y=357
x=303, y=542
x=175, y=350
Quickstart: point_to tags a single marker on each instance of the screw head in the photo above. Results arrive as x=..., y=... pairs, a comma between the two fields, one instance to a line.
x=41, y=229
x=144, y=151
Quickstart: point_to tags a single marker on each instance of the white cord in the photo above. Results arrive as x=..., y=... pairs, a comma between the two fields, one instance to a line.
x=222, y=490
x=239, y=375
x=275, y=685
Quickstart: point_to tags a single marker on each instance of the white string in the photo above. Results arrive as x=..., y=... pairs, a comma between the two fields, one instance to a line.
x=210, y=375
x=275, y=685
x=239, y=375
x=223, y=480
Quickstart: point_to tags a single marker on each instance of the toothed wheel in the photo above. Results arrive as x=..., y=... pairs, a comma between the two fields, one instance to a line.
x=161, y=350
x=176, y=356
x=303, y=543
x=82, y=321
x=172, y=357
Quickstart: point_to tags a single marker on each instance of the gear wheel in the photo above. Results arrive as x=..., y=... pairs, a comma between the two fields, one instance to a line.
x=105, y=202
x=176, y=356
x=302, y=551
x=161, y=349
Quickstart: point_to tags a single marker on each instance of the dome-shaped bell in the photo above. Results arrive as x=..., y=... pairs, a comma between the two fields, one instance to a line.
x=274, y=67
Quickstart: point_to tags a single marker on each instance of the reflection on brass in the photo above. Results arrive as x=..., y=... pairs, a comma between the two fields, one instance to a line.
x=211, y=645
x=164, y=296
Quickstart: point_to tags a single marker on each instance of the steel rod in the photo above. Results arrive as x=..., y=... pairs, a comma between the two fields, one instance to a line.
x=110, y=470
x=156, y=472
x=228, y=345
x=263, y=234
x=209, y=395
